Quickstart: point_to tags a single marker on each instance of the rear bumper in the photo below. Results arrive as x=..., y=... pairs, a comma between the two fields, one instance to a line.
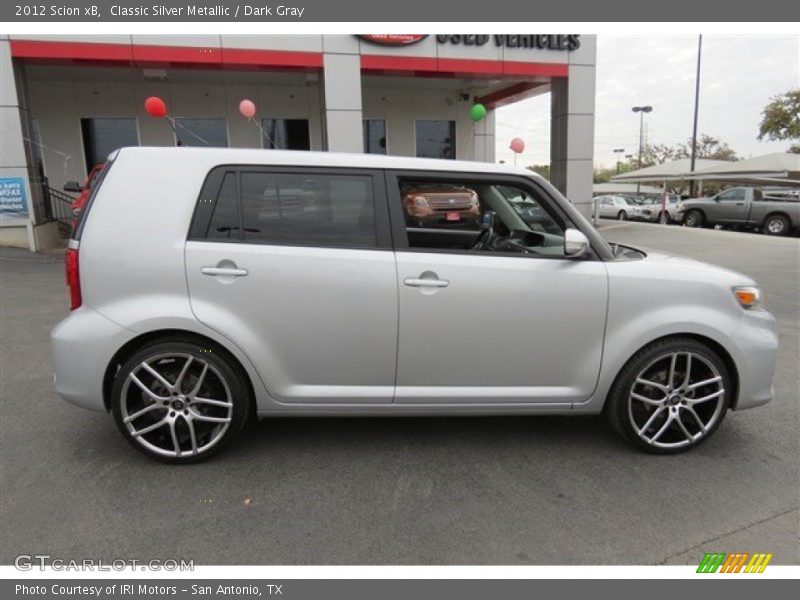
x=757, y=344
x=82, y=346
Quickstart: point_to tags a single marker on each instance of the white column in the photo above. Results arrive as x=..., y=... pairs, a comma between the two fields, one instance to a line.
x=343, y=130
x=484, y=138
x=13, y=162
x=572, y=136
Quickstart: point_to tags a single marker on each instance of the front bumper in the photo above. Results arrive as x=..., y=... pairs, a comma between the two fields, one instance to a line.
x=756, y=342
x=82, y=346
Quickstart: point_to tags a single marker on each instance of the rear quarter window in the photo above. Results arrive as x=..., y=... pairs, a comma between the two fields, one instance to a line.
x=97, y=183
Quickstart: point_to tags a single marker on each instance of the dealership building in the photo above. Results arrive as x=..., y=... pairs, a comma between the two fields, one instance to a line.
x=67, y=101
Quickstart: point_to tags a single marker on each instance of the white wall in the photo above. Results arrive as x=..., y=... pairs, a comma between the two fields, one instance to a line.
x=59, y=105
x=400, y=107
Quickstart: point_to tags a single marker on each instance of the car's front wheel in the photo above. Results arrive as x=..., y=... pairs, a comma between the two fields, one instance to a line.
x=671, y=396
x=622, y=215
x=179, y=401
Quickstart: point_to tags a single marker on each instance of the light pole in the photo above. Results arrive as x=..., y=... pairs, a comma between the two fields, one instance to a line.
x=696, y=109
x=641, y=110
x=618, y=152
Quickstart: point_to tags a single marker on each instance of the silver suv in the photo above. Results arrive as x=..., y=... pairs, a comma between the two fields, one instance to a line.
x=213, y=286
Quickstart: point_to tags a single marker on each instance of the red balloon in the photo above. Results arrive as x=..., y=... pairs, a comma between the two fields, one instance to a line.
x=155, y=107
x=518, y=145
x=247, y=108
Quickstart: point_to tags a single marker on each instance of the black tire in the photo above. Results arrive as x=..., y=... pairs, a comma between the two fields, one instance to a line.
x=663, y=218
x=694, y=218
x=621, y=410
x=777, y=224
x=223, y=381
x=622, y=215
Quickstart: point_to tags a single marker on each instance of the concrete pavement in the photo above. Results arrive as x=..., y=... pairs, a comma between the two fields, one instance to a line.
x=543, y=490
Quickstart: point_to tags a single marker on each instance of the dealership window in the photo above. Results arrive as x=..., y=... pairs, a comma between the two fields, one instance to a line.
x=436, y=139
x=374, y=136
x=286, y=134
x=202, y=132
x=104, y=135
x=479, y=216
x=305, y=209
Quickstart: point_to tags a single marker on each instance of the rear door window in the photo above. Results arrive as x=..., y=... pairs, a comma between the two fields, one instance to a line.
x=293, y=208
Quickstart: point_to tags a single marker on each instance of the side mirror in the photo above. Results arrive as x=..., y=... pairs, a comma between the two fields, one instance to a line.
x=575, y=243
x=73, y=186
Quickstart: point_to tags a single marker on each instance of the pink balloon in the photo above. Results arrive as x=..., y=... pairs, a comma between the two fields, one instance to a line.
x=517, y=145
x=247, y=108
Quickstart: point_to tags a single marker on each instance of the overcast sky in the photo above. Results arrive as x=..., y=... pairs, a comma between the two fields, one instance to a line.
x=739, y=74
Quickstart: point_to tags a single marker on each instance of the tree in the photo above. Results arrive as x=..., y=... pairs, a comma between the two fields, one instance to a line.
x=708, y=147
x=543, y=170
x=780, y=119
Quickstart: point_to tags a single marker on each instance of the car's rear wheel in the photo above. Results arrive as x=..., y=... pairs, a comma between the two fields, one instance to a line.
x=671, y=396
x=622, y=215
x=694, y=218
x=179, y=401
x=776, y=225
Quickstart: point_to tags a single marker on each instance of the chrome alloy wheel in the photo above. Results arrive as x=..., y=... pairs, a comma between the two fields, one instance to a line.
x=176, y=405
x=775, y=226
x=676, y=400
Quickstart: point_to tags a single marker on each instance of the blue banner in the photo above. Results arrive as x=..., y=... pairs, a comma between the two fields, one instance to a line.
x=13, y=197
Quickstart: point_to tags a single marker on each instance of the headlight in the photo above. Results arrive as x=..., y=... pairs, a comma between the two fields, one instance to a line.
x=421, y=202
x=679, y=208
x=748, y=296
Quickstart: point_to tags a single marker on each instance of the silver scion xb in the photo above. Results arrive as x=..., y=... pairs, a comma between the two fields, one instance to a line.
x=212, y=286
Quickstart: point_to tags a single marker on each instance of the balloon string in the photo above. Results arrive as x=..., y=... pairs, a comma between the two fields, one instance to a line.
x=264, y=134
x=175, y=124
x=59, y=152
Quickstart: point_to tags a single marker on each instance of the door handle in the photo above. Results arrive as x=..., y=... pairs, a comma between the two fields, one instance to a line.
x=435, y=283
x=224, y=271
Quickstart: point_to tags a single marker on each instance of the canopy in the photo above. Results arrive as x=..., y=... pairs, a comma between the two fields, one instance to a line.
x=779, y=167
x=674, y=170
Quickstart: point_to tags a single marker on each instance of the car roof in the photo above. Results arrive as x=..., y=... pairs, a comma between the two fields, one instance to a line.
x=302, y=158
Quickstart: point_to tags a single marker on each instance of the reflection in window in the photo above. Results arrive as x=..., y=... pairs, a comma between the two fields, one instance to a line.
x=374, y=136
x=286, y=134
x=479, y=216
x=436, y=139
x=102, y=136
x=202, y=132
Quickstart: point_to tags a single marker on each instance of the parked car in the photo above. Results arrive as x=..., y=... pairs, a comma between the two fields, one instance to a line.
x=622, y=208
x=746, y=207
x=83, y=189
x=194, y=311
x=663, y=210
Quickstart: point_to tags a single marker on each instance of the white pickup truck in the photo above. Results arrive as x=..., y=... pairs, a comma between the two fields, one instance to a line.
x=774, y=212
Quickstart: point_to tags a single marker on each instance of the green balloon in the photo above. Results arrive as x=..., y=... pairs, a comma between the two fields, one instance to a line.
x=477, y=112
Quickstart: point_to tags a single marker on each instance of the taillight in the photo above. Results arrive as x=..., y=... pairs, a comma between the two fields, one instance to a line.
x=73, y=277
